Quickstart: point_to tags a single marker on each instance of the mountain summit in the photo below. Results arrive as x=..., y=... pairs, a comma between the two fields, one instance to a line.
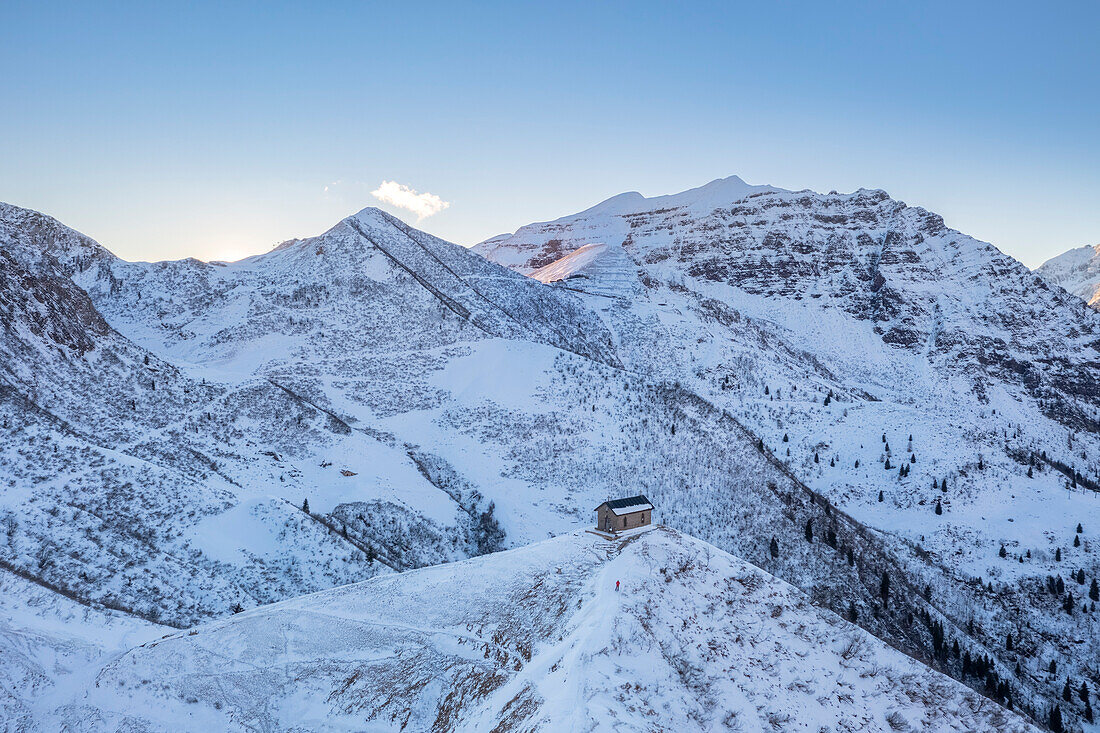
x=703, y=198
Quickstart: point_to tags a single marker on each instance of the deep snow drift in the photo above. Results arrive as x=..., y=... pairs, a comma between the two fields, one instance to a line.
x=535, y=639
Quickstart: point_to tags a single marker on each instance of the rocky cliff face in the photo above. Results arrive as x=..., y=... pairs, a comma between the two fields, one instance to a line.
x=40, y=308
x=960, y=304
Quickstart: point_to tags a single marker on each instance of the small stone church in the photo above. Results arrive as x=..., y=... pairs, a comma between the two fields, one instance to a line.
x=615, y=515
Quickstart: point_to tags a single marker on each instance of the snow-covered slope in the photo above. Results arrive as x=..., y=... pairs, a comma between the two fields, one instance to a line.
x=1077, y=270
x=536, y=639
x=50, y=645
x=119, y=469
x=312, y=295
x=431, y=406
x=859, y=336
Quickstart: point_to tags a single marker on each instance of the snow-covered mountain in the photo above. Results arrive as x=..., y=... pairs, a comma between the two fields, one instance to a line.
x=166, y=422
x=1077, y=270
x=191, y=463
x=530, y=639
x=931, y=386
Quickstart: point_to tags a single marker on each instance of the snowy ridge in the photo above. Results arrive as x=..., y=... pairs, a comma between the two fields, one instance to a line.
x=604, y=222
x=703, y=199
x=537, y=638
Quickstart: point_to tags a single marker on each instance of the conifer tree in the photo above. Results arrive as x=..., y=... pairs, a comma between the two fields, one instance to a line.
x=852, y=613
x=1058, y=554
x=1053, y=668
x=939, y=507
x=1067, y=694
x=305, y=506
x=1008, y=642
x=1083, y=693
x=1080, y=529
x=1056, y=720
x=1076, y=540
x=880, y=497
x=773, y=548
x=852, y=561
x=1094, y=591
x=884, y=588
x=1003, y=552
x=809, y=530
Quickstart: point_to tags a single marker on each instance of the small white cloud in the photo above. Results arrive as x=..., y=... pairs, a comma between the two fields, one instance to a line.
x=403, y=197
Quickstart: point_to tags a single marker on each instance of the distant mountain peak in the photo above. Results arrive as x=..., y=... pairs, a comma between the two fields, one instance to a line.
x=711, y=195
x=1077, y=270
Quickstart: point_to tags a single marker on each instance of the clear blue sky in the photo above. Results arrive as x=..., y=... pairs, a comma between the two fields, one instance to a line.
x=211, y=130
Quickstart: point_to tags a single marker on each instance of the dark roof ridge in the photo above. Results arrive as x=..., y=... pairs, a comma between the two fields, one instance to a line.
x=627, y=502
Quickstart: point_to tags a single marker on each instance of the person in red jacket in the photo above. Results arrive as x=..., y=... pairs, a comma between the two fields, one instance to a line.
x=616, y=585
